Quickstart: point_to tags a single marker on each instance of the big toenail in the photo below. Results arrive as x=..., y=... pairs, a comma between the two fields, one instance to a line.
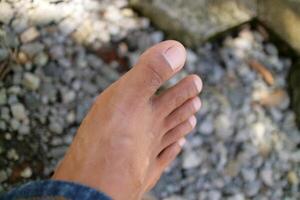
x=174, y=57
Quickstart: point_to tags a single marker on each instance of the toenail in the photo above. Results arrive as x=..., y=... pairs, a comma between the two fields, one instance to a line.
x=181, y=142
x=197, y=103
x=174, y=57
x=198, y=84
x=193, y=121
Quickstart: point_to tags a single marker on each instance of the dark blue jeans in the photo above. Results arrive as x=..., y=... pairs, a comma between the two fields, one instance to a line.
x=53, y=190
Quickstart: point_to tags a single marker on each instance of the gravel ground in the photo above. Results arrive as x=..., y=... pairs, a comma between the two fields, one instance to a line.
x=61, y=54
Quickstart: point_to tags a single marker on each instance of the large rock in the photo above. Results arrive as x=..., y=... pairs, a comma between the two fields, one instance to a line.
x=283, y=17
x=194, y=21
x=295, y=86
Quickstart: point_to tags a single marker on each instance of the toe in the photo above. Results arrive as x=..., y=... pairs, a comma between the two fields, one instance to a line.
x=181, y=114
x=169, y=154
x=178, y=132
x=155, y=66
x=178, y=94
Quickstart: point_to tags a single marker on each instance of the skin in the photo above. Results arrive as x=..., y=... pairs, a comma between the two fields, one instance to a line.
x=130, y=135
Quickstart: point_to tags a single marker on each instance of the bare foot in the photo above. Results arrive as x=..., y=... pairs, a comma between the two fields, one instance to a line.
x=130, y=135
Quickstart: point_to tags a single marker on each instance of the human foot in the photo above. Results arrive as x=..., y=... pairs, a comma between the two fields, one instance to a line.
x=130, y=135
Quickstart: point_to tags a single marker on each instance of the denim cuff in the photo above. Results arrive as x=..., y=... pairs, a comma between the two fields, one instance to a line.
x=53, y=190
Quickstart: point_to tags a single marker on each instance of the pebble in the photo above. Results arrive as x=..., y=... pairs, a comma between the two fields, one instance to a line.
x=26, y=173
x=267, y=176
x=12, y=154
x=33, y=48
x=7, y=12
x=3, y=54
x=293, y=178
x=56, y=128
x=31, y=81
x=41, y=59
x=14, y=124
x=18, y=111
x=29, y=35
x=223, y=126
x=252, y=188
x=3, y=176
x=3, y=97
x=191, y=160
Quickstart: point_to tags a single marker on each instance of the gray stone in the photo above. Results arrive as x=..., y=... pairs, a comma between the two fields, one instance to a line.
x=12, y=154
x=3, y=176
x=18, y=111
x=56, y=127
x=252, y=188
x=24, y=129
x=267, y=176
x=3, y=97
x=26, y=173
x=3, y=54
x=6, y=11
x=41, y=59
x=31, y=81
x=249, y=174
x=191, y=160
x=14, y=124
x=31, y=49
x=195, y=21
x=223, y=126
x=29, y=35
x=206, y=127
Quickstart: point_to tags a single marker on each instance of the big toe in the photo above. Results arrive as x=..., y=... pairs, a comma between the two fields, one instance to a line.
x=155, y=66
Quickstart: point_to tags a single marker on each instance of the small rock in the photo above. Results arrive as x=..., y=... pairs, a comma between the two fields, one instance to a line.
x=31, y=81
x=56, y=127
x=223, y=126
x=293, y=178
x=68, y=96
x=206, y=127
x=173, y=198
x=31, y=49
x=3, y=54
x=236, y=197
x=7, y=136
x=3, y=97
x=267, y=176
x=24, y=129
x=7, y=12
x=14, y=124
x=252, y=188
x=12, y=154
x=29, y=35
x=191, y=160
x=214, y=195
x=41, y=59
x=18, y=111
x=3, y=176
x=249, y=174
x=26, y=173
x=67, y=26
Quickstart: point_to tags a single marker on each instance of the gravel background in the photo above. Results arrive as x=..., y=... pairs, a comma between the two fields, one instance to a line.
x=57, y=55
